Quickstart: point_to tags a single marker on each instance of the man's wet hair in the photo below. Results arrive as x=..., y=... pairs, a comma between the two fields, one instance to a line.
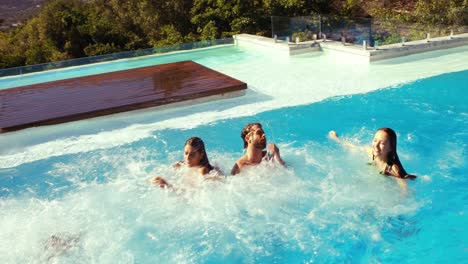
x=247, y=129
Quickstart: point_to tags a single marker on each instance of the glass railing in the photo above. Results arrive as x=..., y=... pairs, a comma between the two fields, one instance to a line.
x=347, y=29
x=111, y=57
x=356, y=30
x=317, y=27
x=385, y=32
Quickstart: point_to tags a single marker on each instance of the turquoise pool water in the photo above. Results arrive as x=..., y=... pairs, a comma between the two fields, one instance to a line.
x=210, y=56
x=327, y=206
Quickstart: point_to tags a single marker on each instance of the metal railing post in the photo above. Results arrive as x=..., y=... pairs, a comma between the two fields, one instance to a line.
x=272, y=31
x=320, y=26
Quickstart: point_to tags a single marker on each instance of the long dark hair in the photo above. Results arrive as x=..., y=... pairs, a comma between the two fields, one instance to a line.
x=392, y=158
x=197, y=143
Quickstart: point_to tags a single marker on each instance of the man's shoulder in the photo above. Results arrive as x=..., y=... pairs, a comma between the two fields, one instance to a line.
x=242, y=160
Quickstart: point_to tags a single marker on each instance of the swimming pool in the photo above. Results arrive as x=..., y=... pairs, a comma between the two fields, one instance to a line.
x=89, y=179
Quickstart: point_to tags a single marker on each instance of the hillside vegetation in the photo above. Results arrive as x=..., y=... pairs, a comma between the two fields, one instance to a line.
x=67, y=29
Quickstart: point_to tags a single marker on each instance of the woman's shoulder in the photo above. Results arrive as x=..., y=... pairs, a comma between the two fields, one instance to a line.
x=211, y=170
x=397, y=171
x=214, y=174
x=178, y=164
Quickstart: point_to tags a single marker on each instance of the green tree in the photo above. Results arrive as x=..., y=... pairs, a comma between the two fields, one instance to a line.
x=441, y=12
x=209, y=31
x=167, y=35
x=228, y=17
x=62, y=23
x=236, y=16
x=9, y=53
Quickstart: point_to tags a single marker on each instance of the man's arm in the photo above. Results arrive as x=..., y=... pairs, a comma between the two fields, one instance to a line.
x=273, y=152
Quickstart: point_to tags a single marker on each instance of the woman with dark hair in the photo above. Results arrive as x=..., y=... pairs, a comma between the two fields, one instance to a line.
x=195, y=158
x=384, y=154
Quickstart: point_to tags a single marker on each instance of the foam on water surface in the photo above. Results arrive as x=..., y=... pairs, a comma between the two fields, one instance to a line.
x=88, y=182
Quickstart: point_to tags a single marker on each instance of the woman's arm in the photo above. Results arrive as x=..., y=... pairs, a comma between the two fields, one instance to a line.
x=334, y=136
x=397, y=174
x=161, y=182
x=403, y=185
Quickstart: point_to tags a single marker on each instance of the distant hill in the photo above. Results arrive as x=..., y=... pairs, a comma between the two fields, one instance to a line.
x=18, y=11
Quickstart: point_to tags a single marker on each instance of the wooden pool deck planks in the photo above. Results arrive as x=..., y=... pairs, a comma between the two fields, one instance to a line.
x=108, y=93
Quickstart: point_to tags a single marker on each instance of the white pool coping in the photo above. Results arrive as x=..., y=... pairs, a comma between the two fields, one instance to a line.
x=367, y=53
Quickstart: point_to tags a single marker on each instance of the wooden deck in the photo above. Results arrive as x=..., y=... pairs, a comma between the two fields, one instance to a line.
x=103, y=94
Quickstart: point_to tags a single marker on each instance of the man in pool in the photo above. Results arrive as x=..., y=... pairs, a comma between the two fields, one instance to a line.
x=254, y=143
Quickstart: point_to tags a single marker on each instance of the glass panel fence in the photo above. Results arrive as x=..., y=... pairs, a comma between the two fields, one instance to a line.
x=385, y=32
x=280, y=28
x=347, y=29
x=375, y=32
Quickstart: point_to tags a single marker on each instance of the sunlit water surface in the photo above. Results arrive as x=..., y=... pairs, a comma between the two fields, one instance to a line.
x=326, y=206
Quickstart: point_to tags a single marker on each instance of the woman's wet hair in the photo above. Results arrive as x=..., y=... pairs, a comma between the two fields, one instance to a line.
x=198, y=144
x=392, y=158
x=247, y=130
